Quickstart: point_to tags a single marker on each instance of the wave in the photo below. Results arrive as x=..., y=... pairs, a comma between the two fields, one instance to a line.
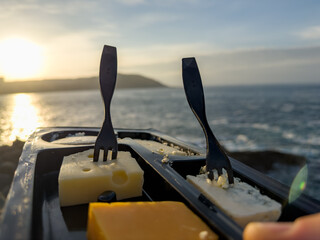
x=311, y=140
x=260, y=126
x=288, y=135
x=220, y=121
x=287, y=108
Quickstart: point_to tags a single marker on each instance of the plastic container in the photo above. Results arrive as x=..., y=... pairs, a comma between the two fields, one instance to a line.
x=32, y=210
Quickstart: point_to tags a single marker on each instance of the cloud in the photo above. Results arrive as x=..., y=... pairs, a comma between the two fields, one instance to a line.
x=311, y=33
x=44, y=21
x=132, y=2
x=71, y=55
x=159, y=61
x=43, y=6
x=151, y=18
x=219, y=67
x=160, y=3
x=262, y=66
x=161, y=53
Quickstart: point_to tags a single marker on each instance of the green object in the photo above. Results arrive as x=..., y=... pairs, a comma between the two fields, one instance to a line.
x=299, y=184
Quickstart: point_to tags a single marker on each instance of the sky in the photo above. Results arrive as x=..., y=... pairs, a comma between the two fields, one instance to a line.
x=234, y=42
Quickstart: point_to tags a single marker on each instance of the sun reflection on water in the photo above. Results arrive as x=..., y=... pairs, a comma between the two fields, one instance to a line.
x=24, y=118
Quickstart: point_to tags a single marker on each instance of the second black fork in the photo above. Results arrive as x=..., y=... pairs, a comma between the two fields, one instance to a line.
x=216, y=158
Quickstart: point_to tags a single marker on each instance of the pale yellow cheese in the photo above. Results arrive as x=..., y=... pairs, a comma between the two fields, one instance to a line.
x=81, y=180
x=144, y=221
x=240, y=201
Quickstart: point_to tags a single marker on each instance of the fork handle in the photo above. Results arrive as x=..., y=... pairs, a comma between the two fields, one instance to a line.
x=107, y=79
x=195, y=96
x=108, y=76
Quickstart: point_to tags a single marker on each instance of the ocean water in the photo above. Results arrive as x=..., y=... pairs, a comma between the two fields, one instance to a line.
x=284, y=118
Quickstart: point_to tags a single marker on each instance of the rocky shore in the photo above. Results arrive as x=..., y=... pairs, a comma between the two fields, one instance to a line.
x=263, y=161
x=9, y=158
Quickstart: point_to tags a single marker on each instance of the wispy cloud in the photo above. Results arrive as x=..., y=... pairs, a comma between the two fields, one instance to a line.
x=132, y=2
x=73, y=55
x=151, y=18
x=161, y=53
x=256, y=66
x=163, y=2
x=227, y=67
x=44, y=6
x=311, y=33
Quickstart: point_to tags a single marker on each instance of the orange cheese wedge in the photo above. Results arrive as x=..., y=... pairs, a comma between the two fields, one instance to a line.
x=145, y=220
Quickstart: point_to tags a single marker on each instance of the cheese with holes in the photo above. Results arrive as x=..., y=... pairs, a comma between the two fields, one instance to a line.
x=240, y=201
x=145, y=220
x=81, y=180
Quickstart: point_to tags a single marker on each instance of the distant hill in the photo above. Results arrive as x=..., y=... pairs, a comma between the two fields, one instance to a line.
x=123, y=81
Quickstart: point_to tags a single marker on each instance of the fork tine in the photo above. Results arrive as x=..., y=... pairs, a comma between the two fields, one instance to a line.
x=96, y=154
x=230, y=176
x=114, y=154
x=210, y=175
x=105, y=154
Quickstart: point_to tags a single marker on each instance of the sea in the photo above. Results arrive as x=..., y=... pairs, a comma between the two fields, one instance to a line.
x=285, y=118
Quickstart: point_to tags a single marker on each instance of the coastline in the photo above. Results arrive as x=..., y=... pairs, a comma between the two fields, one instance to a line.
x=124, y=81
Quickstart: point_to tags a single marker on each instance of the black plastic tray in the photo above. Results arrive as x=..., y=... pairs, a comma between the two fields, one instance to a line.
x=32, y=210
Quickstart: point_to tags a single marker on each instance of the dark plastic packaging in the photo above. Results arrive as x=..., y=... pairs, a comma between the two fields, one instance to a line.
x=32, y=210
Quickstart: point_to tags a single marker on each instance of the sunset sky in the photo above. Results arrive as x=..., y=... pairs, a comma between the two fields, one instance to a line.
x=234, y=42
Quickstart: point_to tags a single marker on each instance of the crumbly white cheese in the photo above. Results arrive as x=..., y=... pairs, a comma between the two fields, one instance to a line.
x=160, y=148
x=81, y=180
x=240, y=201
x=165, y=159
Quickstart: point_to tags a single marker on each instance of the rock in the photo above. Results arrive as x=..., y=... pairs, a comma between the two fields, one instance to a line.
x=5, y=183
x=264, y=161
x=7, y=167
x=9, y=158
x=2, y=202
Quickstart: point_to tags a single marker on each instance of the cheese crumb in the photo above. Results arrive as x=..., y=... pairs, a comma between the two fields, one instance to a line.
x=203, y=235
x=165, y=159
x=160, y=151
x=223, y=181
x=218, y=181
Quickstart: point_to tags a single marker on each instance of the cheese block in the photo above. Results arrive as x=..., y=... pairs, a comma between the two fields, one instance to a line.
x=240, y=201
x=145, y=220
x=81, y=180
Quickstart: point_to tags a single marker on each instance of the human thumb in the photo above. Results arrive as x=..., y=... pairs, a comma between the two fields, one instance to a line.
x=306, y=227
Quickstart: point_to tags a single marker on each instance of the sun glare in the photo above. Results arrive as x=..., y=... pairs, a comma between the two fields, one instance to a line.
x=24, y=117
x=20, y=59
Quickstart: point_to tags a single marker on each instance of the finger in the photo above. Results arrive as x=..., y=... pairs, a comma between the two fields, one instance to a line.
x=306, y=227
x=264, y=231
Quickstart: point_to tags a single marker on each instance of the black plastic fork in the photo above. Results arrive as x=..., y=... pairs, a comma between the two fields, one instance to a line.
x=106, y=139
x=216, y=158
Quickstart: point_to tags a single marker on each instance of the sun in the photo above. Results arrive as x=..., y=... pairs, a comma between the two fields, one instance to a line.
x=20, y=59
